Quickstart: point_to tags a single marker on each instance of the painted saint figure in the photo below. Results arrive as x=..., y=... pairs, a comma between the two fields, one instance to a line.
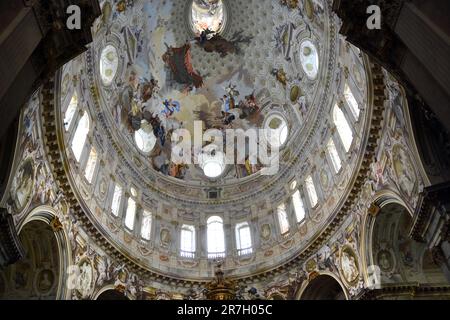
x=171, y=107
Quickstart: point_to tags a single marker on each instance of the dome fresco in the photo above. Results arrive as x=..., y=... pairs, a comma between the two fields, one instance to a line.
x=152, y=87
x=222, y=149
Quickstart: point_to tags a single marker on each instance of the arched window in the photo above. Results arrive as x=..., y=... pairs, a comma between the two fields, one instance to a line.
x=146, y=226
x=79, y=138
x=109, y=64
x=187, y=241
x=215, y=237
x=351, y=101
x=343, y=128
x=243, y=239
x=91, y=164
x=299, y=208
x=283, y=219
x=130, y=215
x=117, y=197
x=334, y=156
x=311, y=189
x=70, y=112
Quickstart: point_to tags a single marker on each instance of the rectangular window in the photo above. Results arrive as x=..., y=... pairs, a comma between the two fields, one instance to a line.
x=343, y=128
x=90, y=166
x=243, y=239
x=130, y=215
x=334, y=156
x=311, y=189
x=283, y=219
x=298, y=206
x=187, y=244
x=117, y=197
x=80, y=136
x=70, y=112
x=146, y=228
x=351, y=101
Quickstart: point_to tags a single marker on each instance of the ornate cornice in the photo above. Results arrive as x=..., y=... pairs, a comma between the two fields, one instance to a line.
x=410, y=290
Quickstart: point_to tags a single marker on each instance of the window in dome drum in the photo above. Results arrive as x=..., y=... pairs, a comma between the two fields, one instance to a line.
x=213, y=194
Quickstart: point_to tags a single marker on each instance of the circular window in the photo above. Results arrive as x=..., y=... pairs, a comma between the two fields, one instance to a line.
x=144, y=138
x=276, y=130
x=208, y=14
x=309, y=59
x=212, y=162
x=109, y=63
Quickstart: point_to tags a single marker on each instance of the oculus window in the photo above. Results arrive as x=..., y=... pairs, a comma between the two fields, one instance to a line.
x=109, y=64
x=309, y=59
x=208, y=14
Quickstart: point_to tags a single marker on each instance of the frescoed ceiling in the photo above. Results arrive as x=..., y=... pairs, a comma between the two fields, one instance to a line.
x=260, y=64
x=157, y=73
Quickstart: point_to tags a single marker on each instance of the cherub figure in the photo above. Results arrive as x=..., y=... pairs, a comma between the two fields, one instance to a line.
x=280, y=76
x=171, y=107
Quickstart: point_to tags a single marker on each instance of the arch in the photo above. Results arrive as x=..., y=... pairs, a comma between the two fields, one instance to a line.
x=389, y=255
x=48, y=215
x=276, y=296
x=111, y=294
x=324, y=287
x=40, y=275
x=380, y=199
